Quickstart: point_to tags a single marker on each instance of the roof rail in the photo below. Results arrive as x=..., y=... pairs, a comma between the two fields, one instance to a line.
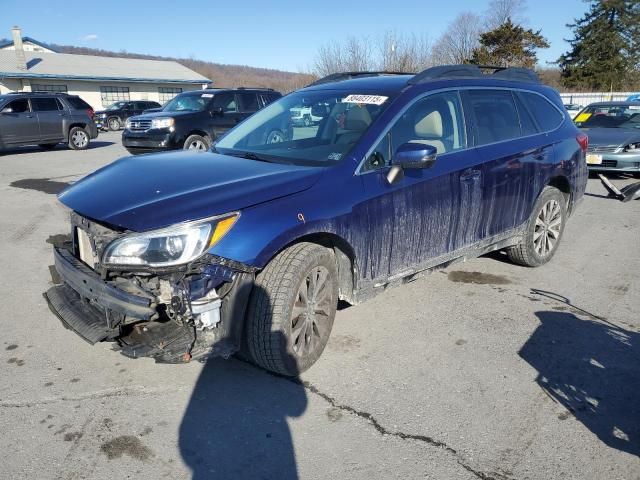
x=254, y=88
x=475, y=71
x=337, y=77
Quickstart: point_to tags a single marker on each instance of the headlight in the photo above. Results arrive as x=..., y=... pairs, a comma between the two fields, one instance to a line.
x=632, y=148
x=162, y=122
x=127, y=124
x=169, y=246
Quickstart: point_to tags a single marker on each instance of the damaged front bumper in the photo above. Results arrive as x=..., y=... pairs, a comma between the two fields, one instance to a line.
x=171, y=317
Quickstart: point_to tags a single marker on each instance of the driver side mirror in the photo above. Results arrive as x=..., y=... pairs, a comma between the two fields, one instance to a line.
x=7, y=110
x=410, y=156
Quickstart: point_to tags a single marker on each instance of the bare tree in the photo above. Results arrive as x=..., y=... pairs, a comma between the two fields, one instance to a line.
x=398, y=53
x=460, y=39
x=351, y=56
x=499, y=11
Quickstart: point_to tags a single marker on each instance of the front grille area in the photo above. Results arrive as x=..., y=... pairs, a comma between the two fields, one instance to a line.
x=609, y=164
x=139, y=125
x=602, y=148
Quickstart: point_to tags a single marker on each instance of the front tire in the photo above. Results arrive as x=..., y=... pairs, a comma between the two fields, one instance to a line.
x=196, y=142
x=544, y=230
x=113, y=124
x=78, y=138
x=292, y=308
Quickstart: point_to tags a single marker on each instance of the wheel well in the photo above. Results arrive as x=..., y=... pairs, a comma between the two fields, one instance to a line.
x=562, y=184
x=345, y=260
x=198, y=132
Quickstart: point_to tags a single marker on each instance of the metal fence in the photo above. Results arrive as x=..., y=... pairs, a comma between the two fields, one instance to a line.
x=585, y=98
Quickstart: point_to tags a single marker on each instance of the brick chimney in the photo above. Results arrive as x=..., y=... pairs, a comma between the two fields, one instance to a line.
x=21, y=60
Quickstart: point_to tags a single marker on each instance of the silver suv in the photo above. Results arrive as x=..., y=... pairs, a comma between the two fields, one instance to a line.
x=46, y=119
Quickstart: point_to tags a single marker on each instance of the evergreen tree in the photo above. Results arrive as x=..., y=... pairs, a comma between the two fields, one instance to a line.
x=509, y=45
x=605, y=50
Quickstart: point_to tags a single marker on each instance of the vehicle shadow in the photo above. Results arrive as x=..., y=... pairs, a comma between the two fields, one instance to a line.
x=61, y=146
x=592, y=368
x=235, y=425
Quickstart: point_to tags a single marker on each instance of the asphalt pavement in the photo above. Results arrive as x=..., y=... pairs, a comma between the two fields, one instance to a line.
x=485, y=370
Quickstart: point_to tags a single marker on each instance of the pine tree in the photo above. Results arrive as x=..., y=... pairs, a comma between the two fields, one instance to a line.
x=509, y=45
x=605, y=50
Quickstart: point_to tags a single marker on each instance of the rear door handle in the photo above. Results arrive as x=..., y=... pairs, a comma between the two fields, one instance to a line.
x=470, y=176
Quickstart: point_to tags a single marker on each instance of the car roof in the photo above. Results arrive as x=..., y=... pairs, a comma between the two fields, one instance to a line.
x=382, y=83
x=615, y=104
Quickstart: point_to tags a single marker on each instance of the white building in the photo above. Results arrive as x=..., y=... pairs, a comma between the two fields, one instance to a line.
x=29, y=65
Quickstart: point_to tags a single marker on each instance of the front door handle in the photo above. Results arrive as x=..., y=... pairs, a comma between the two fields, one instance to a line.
x=29, y=116
x=470, y=176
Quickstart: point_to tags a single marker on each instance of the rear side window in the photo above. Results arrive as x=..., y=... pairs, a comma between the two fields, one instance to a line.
x=226, y=101
x=495, y=115
x=546, y=115
x=78, y=103
x=248, y=102
x=45, y=104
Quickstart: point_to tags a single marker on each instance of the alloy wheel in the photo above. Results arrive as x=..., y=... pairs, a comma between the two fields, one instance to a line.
x=80, y=138
x=197, y=145
x=547, y=228
x=311, y=312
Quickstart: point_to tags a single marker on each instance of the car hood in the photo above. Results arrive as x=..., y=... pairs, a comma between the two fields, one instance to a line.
x=611, y=136
x=107, y=112
x=164, y=114
x=152, y=191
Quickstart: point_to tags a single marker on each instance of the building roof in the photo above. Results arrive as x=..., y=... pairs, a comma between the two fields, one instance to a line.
x=65, y=66
x=7, y=43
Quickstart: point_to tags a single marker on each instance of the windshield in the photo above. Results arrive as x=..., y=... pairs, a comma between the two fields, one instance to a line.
x=306, y=128
x=190, y=102
x=609, y=116
x=116, y=106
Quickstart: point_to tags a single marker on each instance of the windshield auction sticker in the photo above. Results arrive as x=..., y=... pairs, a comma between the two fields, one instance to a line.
x=366, y=99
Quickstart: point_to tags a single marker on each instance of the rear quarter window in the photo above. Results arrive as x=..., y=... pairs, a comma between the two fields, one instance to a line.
x=545, y=114
x=77, y=103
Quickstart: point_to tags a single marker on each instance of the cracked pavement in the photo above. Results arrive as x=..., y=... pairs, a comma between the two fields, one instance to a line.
x=484, y=370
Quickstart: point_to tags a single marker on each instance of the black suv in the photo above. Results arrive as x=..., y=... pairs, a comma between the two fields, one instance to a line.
x=193, y=120
x=113, y=117
x=45, y=119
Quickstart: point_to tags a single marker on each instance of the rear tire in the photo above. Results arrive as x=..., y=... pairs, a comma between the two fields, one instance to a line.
x=113, y=124
x=78, y=138
x=544, y=230
x=197, y=142
x=47, y=146
x=292, y=308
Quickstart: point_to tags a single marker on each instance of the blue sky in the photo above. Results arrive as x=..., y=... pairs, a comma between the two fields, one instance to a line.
x=277, y=34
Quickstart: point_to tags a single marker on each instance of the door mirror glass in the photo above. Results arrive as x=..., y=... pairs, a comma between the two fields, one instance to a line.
x=415, y=155
x=6, y=110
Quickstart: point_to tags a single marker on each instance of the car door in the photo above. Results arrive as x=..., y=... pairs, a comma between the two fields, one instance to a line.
x=18, y=124
x=50, y=113
x=429, y=213
x=511, y=153
x=224, y=113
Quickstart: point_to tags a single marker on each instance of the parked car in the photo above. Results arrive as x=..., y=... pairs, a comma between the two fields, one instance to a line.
x=46, y=119
x=251, y=245
x=614, y=136
x=573, y=109
x=115, y=115
x=634, y=98
x=194, y=120
x=304, y=116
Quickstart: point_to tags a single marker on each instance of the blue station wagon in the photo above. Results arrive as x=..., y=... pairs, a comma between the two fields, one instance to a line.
x=249, y=247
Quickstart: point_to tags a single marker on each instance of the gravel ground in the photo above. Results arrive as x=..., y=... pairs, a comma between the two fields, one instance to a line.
x=483, y=370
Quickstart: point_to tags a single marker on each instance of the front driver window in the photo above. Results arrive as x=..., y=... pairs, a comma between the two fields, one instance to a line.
x=434, y=120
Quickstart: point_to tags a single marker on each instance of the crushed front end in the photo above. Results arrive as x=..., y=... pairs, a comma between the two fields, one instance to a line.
x=170, y=313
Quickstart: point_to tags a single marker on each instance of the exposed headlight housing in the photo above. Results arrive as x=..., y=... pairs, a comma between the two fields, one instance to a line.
x=167, y=122
x=632, y=148
x=170, y=246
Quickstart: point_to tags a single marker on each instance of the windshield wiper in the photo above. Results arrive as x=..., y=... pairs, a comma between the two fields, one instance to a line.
x=248, y=156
